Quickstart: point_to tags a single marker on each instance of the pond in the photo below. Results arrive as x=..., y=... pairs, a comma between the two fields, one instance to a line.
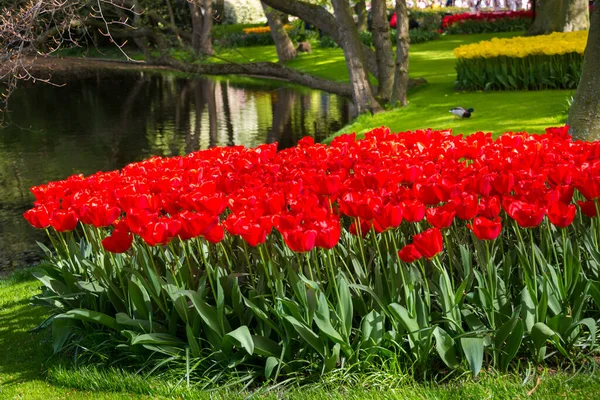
x=104, y=121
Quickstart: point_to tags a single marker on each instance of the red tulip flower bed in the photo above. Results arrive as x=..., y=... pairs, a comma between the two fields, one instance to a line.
x=445, y=246
x=493, y=21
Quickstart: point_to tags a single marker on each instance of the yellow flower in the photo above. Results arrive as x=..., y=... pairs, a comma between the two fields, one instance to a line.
x=554, y=44
x=263, y=29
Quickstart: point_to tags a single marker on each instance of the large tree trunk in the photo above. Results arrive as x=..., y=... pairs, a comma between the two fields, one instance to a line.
x=560, y=16
x=284, y=46
x=323, y=20
x=362, y=18
x=362, y=93
x=201, y=12
x=383, y=49
x=402, y=47
x=584, y=116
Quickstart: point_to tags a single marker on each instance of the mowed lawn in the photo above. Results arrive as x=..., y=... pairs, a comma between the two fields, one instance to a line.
x=496, y=112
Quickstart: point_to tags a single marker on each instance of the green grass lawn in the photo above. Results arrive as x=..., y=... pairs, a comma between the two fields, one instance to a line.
x=428, y=107
x=29, y=371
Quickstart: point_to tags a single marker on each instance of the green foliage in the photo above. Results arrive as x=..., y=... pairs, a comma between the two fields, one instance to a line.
x=326, y=42
x=29, y=372
x=231, y=36
x=366, y=37
x=266, y=313
x=484, y=26
x=536, y=72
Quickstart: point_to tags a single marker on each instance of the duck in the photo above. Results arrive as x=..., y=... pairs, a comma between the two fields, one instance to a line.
x=461, y=112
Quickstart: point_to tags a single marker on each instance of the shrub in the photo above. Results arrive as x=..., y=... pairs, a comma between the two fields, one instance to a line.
x=496, y=21
x=253, y=35
x=326, y=42
x=416, y=36
x=416, y=248
x=543, y=62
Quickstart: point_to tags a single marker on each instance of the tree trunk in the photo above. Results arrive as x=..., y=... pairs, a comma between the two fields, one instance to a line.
x=560, y=16
x=173, y=24
x=402, y=47
x=201, y=13
x=282, y=112
x=362, y=93
x=577, y=15
x=323, y=20
x=584, y=116
x=207, y=27
x=362, y=18
x=220, y=11
x=284, y=46
x=208, y=92
x=383, y=49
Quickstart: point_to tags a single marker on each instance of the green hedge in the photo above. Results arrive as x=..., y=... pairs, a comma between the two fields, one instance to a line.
x=536, y=72
x=416, y=36
x=498, y=25
x=234, y=36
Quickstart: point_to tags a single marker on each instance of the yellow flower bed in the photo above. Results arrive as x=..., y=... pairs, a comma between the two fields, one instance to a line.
x=554, y=44
x=264, y=29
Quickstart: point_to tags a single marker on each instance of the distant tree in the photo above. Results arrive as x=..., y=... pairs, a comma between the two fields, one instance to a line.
x=202, y=25
x=284, y=46
x=362, y=17
x=399, y=92
x=362, y=93
x=584, y=115
x=383, y=49
x=560, y=16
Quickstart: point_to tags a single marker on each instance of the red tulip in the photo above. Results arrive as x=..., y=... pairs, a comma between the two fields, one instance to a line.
x=119, y=241
x=413, y=210
x=365, y=228
x=327, y=185
x=429, y=193
x=160, y=232
x=503, y=183
x=486, y=229
x=64, y=220
x=409, y=253
x=38, y=217
x=195, y=224
x=527, y=215
x=252, y=231
x=138, y=219
x=215, y=235
x=466, y=207
x=328, y=234
x=489, y=207
x=99, y=215
x=561, y=215
x=300, y=241
x=389, y=216
x=441, y=217
x=588, y=208
x=429, y=243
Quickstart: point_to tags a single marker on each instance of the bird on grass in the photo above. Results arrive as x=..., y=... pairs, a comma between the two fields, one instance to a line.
x=461, y=112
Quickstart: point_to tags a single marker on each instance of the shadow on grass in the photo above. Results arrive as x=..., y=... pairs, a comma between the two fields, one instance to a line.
x=25, y=354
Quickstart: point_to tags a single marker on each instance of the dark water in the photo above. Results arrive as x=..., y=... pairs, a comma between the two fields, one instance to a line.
x=105, y=121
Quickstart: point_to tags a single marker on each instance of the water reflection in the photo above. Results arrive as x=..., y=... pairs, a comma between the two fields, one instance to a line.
x=105, y=121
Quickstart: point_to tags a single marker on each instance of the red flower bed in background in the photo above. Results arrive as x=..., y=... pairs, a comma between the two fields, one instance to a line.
x=450, y=20
x=311, y=192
